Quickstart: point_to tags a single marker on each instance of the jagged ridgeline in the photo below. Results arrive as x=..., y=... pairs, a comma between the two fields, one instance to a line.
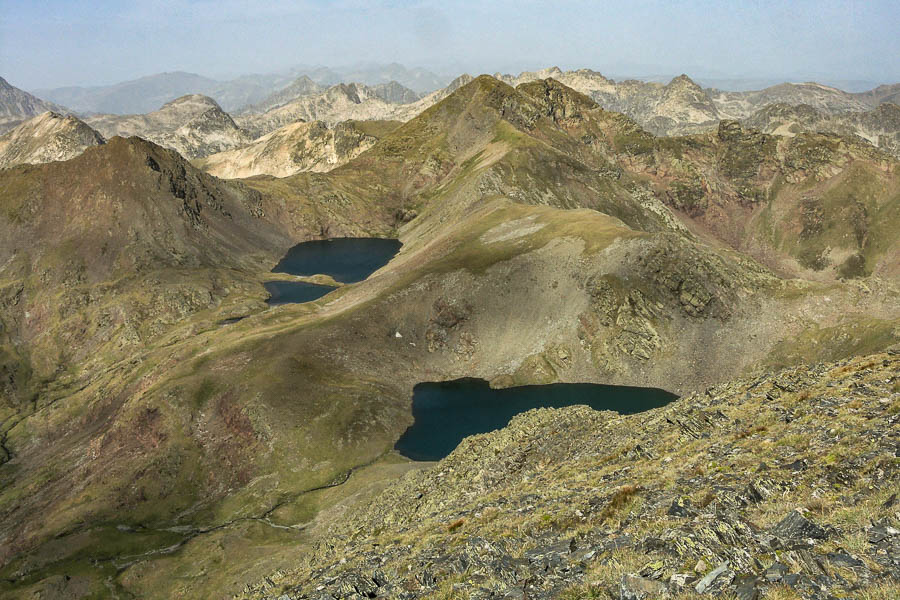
x=150, y=450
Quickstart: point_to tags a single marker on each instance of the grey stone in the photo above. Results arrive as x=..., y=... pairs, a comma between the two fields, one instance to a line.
x=681, y=507
x=634, y=587
x=796, y=527
x=707, y=582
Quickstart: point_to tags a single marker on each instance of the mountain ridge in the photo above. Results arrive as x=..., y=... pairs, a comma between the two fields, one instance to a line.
x=47, y=137
x=146, y=93
x=545, y=239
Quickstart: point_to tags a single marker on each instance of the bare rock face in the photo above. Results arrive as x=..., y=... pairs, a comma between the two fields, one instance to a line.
x=302, y=86
x=395, y=93
x=17, y=106
x=678, y=107
x=348, y=102
x=297, y=147
x=338, y=103
x=879, y=126
x=193, y=125
x=46, y=138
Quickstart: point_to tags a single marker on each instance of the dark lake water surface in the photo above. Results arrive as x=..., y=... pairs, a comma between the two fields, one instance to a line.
x=446, y=412
x=347, y=260
x=292, y=292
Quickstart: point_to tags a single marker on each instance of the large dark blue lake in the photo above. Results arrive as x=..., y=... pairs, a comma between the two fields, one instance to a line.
x=347, y=260
x=446, y=412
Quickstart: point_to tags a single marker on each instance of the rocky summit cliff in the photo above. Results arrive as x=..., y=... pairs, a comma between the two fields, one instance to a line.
x=783, y=486
x=193, y=125
x=45, y=138
x=165, y=433
x=302, y=86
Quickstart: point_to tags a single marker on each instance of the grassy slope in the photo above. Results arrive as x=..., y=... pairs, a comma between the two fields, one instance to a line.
x=598, y=498
x=815, y=206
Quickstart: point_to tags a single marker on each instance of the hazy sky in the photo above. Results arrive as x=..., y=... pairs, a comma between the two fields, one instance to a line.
x=52, y=43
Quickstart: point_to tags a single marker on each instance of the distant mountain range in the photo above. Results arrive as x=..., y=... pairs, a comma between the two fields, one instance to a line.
x=149, y=93
x=266, y=136
x=683, y=106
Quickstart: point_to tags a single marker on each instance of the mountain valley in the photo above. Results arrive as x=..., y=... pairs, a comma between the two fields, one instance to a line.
x=165, y=433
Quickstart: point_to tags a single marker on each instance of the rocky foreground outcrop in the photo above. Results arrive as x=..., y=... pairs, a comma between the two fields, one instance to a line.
x=780, y=486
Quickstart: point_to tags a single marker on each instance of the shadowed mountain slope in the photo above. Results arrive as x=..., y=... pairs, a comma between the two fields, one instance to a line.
x=80, y=239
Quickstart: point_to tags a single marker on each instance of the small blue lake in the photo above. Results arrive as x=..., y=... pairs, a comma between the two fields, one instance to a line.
x=446, y=412
x=294, y=292
x=346, y=260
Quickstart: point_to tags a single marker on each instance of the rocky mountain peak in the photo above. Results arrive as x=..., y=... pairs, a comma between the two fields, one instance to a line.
x=394, y=92
x=351, y=91
x=194, y=125
x=685, y=82
x=192, y=100
x=47, y=137
x=560, y=102
x=488, y=90
x=302, y=86
x=460, y=81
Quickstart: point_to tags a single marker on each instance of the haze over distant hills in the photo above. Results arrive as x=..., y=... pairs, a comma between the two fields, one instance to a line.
x=197, y=126
x=149, y=93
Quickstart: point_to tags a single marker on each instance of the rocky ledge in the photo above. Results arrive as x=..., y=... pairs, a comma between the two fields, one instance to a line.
x=782, y=486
